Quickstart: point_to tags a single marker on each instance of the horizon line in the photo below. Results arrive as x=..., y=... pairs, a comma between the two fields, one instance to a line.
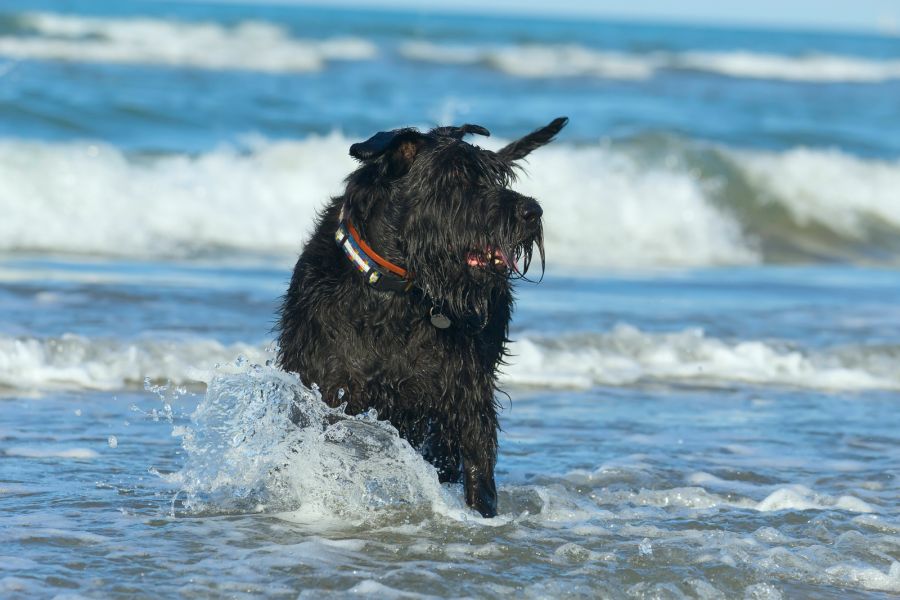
x=886, y=30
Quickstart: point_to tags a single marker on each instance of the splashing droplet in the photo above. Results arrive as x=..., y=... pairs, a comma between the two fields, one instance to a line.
x=265, y=440
x=113, y=442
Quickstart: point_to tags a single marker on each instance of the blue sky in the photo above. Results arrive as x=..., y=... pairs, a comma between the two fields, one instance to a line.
x=818, y=14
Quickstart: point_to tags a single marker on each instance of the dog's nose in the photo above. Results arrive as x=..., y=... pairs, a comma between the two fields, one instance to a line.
x=531, y=211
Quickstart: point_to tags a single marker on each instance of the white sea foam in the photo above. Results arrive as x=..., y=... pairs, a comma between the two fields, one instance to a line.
x=813, y=68
x=251, y=45
x=44, y=452
x=572, y=60
x=92, y=198
x=827, y=187
x=84, y=363
x=262, y=441
x=245, y=454
x=536, y=60
x=799, y=497
x=266, y=46
x=621, y=357
x=868, y=577
x=627, y=355
x=604, y=207
x=791, y=497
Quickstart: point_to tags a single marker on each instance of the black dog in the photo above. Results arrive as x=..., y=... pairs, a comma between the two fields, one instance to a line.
x=403, y=295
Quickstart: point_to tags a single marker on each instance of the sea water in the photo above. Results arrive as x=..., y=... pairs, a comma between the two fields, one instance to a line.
x=703, y=392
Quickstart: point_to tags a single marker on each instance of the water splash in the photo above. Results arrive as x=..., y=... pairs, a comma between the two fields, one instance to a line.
x=261, y=441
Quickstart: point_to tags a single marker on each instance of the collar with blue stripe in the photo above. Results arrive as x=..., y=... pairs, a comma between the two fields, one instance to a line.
x=378, y=272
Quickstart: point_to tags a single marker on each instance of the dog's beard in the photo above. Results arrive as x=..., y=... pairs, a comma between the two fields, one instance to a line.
x=469, y=277
x=511, y=259
x=522, y=255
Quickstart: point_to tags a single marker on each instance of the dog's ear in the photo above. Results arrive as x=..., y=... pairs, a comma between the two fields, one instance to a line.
x=523, y=147
x=398, y=147
x=461, y=131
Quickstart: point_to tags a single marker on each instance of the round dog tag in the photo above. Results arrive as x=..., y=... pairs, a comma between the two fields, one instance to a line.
x=439, y=320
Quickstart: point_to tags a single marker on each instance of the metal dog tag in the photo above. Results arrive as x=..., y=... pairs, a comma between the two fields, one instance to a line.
x=439, y=320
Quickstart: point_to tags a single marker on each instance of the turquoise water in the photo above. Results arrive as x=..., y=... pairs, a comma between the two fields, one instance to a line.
x=703, y=389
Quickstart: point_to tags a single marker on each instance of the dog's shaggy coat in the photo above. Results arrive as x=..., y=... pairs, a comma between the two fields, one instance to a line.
x=442, y=209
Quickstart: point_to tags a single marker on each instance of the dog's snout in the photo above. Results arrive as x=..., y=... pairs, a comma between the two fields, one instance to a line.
x=531, y=211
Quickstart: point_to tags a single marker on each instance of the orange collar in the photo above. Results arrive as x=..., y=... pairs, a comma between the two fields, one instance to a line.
x=377, y=271
x=382, y=262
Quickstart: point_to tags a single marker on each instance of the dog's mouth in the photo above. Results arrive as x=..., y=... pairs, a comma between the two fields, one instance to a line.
x=490, y=258
x=511, y=261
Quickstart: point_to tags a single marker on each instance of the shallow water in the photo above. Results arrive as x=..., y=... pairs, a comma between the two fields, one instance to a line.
x=694, y=472
x=703, y=389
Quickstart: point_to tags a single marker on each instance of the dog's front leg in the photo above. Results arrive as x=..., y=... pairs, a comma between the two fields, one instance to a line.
x=478, y=468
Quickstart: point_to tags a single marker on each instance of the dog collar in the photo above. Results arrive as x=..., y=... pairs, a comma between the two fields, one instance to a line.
x=378, y=272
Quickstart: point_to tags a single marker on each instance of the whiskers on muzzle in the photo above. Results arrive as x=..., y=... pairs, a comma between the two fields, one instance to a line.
x=524, y=255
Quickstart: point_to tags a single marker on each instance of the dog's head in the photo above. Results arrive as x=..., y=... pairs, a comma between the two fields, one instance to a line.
x=443, y=208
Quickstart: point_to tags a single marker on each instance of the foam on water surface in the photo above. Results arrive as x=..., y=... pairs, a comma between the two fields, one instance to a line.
x=250, y=45
x=607, y=205
x=536, y=61
x=267, y=46
x=78, y=362
x=45, y=452
x=626, y=355
x=622, y=356
x=267, y=490
x=572, y=60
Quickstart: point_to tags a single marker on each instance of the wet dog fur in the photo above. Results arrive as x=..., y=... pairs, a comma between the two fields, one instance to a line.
x=441, y=208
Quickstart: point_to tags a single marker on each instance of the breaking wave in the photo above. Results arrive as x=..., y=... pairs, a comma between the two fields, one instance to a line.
x=536, y=61
x=811, y=68
x=623, y=356
x=77, y=362
x=607, y=205
x=269, y=47
x=568, y=60
x=250, y=45
x=626, y=355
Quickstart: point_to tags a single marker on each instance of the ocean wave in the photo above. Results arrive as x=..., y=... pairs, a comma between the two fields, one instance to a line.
x=626, y=356
x=811, y=68
x=606, y=205
x=536, y=61
x=266, y=46
x=89, y=198
x=276, y=446
x=623, y=356
x=45, y=452
x=250, y=45
x=569, y=60
x=77, y=362
x=829, y=188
